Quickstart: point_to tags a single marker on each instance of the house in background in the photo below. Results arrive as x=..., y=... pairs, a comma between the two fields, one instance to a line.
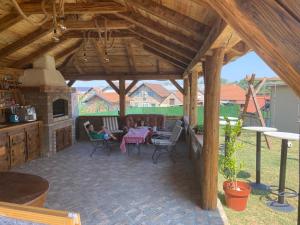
x=173, y=99
x=232, y=93
x=108, y=88
x=95, y=100
x=148, y=95
x=285, y=108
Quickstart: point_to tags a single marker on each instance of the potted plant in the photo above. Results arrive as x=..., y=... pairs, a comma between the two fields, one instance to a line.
x=236, y=192
x=199, y=129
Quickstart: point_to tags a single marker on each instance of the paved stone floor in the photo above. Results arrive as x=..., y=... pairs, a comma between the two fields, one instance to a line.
x=121, y=189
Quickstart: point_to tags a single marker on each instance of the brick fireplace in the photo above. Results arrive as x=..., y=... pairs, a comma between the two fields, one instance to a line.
x=44, y=88
x=53, y=106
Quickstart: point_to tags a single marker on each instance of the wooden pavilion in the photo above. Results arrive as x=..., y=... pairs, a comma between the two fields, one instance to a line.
x=156, y=40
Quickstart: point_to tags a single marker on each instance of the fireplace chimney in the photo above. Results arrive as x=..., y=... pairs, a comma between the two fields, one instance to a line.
x=43, y=73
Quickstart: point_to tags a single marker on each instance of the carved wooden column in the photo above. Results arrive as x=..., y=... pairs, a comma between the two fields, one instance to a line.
x=210, y=152
x=186, y=97
x=122, y=96
x=193, y=98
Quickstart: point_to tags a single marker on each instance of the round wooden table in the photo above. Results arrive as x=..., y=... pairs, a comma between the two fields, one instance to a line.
x=280, y=205
x=21, y=188
x=258, y=185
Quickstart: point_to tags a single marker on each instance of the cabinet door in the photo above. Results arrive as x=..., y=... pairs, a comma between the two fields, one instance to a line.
x=17, y=148
x=4, y=153
x=33, y=143
x=59, y=139
x=67, y=136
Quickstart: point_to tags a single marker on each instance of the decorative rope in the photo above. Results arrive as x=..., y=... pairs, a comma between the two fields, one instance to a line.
x=20, y=11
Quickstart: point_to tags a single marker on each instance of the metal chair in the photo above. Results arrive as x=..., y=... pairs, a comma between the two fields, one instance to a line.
x=169, y=133
x=163, y=145
x=97, y=143
x=111, y=123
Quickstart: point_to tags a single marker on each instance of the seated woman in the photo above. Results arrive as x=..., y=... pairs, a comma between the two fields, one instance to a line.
x=102, y=134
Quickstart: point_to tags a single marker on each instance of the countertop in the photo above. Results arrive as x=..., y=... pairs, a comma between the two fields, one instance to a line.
x=4, y=127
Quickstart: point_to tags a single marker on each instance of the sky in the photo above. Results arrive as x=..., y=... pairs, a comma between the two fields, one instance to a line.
x=234, y=71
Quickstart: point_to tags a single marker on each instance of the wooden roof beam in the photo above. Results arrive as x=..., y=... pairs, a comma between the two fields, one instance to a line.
x=65, y=62
x=188, y=53
x=163, y=50
x=71, y=82
x=113, y=86
x=165, y=57
x=179, y=88
x=130, y=55
x=116, y=24
x=9, y=20
x=270, y=30
x=102, y=7
x=118, y=76
x=68, y=51
x=130, y=86
x=34, y=55
x=157, y=28
x=183, y=22
x=213, y=35
x=92, y=35
x=24, y=41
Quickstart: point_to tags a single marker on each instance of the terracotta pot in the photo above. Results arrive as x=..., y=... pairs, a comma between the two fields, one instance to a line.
x=236, y=199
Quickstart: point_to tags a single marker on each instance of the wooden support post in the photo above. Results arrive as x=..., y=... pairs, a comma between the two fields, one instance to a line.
x=193, y=98
x=186, y=97
x=210, y=152
x=122, y=96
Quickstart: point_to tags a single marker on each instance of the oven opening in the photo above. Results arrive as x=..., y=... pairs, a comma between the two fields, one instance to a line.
x=60, y=108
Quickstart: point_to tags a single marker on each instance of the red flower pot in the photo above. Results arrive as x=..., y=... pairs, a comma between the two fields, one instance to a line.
x=236, y=194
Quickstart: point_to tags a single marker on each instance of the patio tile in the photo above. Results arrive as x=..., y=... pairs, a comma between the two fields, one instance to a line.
x=118, y=189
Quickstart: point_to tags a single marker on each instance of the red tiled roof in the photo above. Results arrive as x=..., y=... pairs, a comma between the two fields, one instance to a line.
x=261, y=102
x=232, y=92
x=157, y=88
x=112, y=97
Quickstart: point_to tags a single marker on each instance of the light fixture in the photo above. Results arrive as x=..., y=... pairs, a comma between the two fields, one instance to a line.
x=84, y=58
x=106, y=41
x=106, y=58
x=58, y=20
x=55, y=37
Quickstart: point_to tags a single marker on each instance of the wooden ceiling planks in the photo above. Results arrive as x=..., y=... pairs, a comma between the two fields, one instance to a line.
x=150, y=36
x=172, y=16
x=102, y=7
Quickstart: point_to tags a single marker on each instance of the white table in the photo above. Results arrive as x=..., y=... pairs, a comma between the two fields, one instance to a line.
x=224, y=122
x=285, y=137
x=258, y=185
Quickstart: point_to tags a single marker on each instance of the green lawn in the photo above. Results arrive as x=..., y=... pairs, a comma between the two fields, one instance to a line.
x=257, y=212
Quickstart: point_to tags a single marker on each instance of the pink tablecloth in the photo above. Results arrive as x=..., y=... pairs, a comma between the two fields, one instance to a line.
x=134, y=136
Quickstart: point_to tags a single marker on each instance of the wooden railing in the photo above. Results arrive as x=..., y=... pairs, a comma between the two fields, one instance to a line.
x=38, y=215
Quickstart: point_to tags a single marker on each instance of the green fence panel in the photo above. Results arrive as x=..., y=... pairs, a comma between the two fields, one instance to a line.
x=225, y=110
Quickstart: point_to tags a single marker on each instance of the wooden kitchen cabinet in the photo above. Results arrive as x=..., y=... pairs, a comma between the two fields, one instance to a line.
x=33, y=143
x=19, y=143
x=4, y=153
x=63, y=138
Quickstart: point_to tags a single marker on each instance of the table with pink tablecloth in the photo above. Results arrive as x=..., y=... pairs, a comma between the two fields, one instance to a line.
x=134, y=136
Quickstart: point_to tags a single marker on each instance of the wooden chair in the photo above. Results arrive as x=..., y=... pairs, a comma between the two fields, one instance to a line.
x=163, y=145
x=169, y=133
x=97, y=143
x=111, y=123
